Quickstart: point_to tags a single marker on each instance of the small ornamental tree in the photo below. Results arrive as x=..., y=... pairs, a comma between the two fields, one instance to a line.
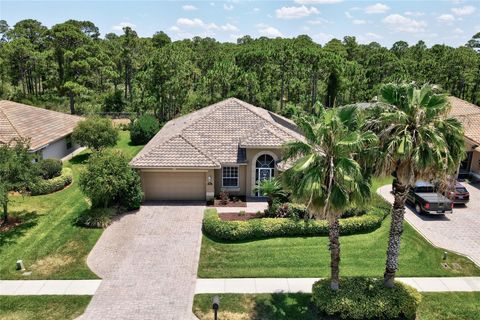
x=95, y=133
x=143, y=129
x=108, y=179
x=16, y=171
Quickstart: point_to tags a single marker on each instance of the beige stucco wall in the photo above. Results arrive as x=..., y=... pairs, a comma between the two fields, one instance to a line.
x=475, y=165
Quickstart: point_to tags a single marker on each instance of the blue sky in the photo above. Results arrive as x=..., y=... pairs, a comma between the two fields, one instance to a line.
x=451, y=22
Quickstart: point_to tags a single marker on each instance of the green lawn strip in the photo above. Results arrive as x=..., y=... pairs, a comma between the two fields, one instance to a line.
x=42, y=307
x=278, y=306
x=49, y=243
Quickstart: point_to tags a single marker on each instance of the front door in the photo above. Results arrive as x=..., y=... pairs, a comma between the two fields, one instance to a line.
x=263, y=174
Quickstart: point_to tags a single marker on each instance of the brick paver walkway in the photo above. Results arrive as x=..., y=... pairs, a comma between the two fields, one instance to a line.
x=148, y=262
x=458, y=232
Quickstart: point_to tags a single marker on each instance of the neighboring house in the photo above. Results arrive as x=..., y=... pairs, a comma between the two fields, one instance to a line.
x=469, y=115
x=49, y=131
x=230, y=145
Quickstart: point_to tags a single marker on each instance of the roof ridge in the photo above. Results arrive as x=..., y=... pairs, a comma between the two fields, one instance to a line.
x=200, y=150
x=10, y=122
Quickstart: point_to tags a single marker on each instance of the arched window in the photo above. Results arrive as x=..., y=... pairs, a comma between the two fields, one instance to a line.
x=264, y=168
x=265, y=161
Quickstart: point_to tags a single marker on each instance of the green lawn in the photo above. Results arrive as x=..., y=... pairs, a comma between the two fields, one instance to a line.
x=362, y=255
x=42, y=307
x=48, y=241
x=438, y=306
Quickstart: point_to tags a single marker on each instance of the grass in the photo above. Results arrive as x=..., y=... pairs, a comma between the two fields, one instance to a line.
x=42, y=307
x=48, y=241
x=280, y=306
x=362, y=255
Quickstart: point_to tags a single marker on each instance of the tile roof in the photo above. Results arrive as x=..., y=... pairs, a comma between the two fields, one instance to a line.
x=216, y=134
x=469, y=115
x=40, y=125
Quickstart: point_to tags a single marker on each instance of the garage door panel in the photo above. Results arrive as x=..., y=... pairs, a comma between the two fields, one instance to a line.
x=174, y=185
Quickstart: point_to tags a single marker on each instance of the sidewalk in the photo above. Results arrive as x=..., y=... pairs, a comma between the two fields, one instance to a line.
x=292, y=285
x=48, y=287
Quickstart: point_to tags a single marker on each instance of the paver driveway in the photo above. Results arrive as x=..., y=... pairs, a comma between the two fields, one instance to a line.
x=459, y=232
x=148, y=261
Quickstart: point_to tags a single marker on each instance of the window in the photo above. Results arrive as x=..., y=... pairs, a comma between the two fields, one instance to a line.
x=230, y=176
x=68, y=140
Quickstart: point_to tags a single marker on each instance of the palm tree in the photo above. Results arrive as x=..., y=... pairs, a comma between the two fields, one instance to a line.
x=270, y=188
x=418, y=141
x=325, y=172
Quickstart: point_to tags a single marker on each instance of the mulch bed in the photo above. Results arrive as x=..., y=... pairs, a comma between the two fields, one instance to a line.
x=12, y=223
x=229, y=204
x=231, y=216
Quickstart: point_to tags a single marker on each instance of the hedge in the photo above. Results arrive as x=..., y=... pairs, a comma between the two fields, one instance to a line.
x=52, y=185
x=365, y=298
x=284, y=227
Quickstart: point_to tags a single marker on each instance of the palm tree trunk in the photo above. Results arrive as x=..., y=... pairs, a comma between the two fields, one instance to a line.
x=334, y=237
x=396, y=230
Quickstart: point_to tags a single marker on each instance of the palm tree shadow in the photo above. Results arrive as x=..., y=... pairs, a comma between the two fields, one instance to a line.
x=283, y=306
x=28, y=221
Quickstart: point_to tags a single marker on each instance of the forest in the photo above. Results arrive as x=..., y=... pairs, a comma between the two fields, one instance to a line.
x=71, y=68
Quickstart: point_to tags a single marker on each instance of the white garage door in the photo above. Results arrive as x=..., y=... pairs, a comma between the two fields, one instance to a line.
x=174, y=185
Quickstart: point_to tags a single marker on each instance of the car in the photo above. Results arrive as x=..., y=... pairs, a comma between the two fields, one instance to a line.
x=460, y=195
x=424, y=197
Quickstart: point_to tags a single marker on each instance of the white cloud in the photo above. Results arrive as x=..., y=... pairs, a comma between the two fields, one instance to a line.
x=373, y=35
x=318, y=21
x=445, y=18
x=348, y=15
x=458, y=31
x=359, y=21
x=464, y=11
x=228, y=7
x=377, y=8
x=322, y=37
x=414, y=13
x=268, y=31
x=228, y=27
x=295, y=12
x=403, y=24
x=256, y=9
x=317, y=1
x=189, y=7
x=200, y=24
x=212, y=4
x=174, y=29
x=119, y=27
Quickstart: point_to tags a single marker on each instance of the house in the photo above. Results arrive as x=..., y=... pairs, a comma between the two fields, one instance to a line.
x=230, y=145
x=469, y=115
x=49, y=131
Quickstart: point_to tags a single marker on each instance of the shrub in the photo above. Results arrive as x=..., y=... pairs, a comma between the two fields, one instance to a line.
x=354, y=212
x=113, y=102
x=49, y=168
x=95, y=133
x=224, y=197
x=41, y=186
x=284, y=227
x=365, y=298
x=108, y=179
x=96, y=218
x=287, y=210
x=143, y=129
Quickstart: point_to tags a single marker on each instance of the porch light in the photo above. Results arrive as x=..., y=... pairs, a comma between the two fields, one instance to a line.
x=20, y=266
x=215, y=306
x=209, y=180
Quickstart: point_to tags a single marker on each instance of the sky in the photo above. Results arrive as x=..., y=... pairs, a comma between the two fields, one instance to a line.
x=451, y=22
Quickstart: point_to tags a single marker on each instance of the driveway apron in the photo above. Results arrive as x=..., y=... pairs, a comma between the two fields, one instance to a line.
x=148, y=262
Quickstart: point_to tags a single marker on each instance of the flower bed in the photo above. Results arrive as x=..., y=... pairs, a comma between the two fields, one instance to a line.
x=52, y=185
x=286, y=227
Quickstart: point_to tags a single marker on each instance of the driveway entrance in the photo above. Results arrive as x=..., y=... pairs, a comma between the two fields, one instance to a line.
x=148, y=262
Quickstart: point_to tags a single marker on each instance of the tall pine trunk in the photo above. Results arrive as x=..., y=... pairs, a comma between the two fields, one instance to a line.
x=334, y=238
x=72, y=102
x=396, y=230
x=5, y=213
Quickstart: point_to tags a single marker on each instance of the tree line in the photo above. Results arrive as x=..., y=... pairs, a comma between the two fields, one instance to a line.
x=70, y=67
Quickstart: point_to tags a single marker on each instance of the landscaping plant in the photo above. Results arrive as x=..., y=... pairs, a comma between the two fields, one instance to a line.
x=16, y=171
x=95, y=133
x=49, y=168
x=418, y=141
x=272, y=189
x=325, y=173
x=143, y=129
